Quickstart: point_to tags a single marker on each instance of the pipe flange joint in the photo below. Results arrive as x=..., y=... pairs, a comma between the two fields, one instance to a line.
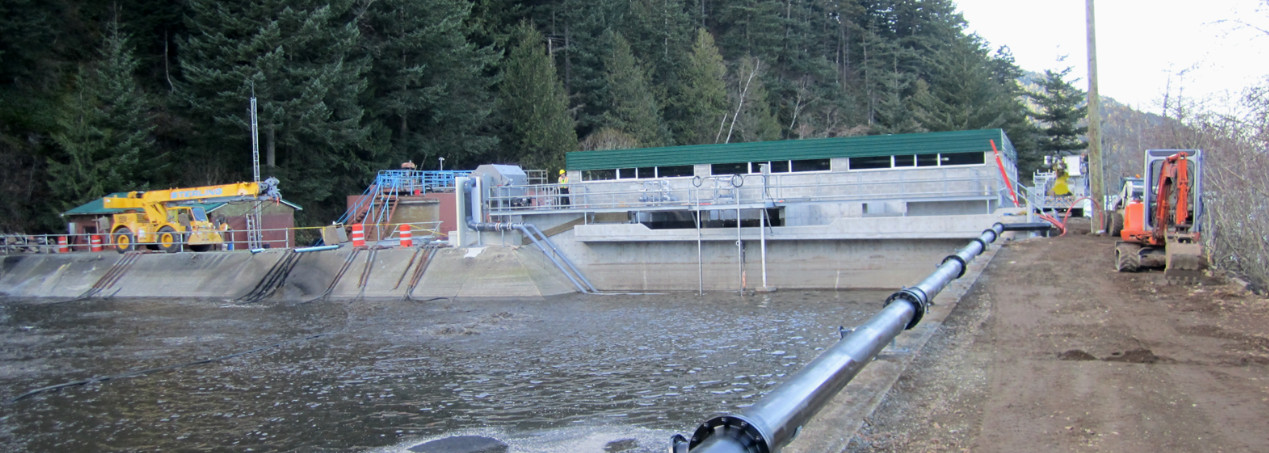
x=957, y=259
x=736, y=427
x=980, y=242
x=995, y=231
x=915, y=296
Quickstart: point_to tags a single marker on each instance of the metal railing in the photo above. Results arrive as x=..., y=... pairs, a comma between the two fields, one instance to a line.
x=698, y=192
x=273, y=238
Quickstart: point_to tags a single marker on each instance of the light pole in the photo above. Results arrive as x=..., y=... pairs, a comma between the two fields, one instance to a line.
x=442, y=163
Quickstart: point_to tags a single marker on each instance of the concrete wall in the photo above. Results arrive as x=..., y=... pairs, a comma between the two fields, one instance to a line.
x=468, y=273
x=811, y=264
x=57, y=276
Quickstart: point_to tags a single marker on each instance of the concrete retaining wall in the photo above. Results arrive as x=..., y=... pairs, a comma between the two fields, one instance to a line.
x=58, y=276
x=615, y=257
x=471, y=273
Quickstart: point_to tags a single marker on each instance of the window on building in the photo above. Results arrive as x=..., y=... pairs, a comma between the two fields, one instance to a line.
x=927, y=160
x=599, y=175
x=869, y=163
x=626, y=173
x=811, y=165
x=963, y=158
x=671, y=172
x=905, y=160
x=646, y=172
x=739, y=168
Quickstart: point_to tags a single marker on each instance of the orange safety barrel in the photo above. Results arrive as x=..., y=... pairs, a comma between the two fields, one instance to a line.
x=62, y=245
x=407, y=240
x=1134, y=220
x=95, y=243
x=358, y=235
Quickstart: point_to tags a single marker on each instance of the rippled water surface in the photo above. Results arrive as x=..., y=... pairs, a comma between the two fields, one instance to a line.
x=563, y=374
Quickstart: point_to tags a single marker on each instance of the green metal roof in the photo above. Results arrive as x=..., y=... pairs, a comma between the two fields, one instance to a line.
x=97, y=206
x=818, y=148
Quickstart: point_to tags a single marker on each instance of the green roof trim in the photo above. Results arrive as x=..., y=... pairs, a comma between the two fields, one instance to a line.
x=815, y=148
x=98, y=206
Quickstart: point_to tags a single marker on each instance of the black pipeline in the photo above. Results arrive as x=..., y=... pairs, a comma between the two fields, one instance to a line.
x=775, y=419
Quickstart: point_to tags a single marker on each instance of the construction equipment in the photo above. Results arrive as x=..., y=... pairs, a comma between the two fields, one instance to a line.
x=1131, y=188
x=1161, y=228
x=167, y=220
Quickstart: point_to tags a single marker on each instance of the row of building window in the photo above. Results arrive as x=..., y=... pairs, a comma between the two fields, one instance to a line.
x=916, y=160
x=792, y=166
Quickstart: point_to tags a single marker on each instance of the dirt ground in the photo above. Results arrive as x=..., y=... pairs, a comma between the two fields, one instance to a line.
x=1052, y=350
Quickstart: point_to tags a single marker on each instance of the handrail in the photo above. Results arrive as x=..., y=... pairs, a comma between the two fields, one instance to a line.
x=687, y=192
x=81, y=242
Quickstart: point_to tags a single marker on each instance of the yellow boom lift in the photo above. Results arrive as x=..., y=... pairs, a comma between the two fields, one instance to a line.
x=166, y=220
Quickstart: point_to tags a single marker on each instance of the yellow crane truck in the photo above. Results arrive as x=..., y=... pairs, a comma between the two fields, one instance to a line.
x=167, y=220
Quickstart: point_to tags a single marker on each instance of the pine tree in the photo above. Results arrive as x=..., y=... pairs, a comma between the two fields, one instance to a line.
x=1061, y=109
x=299, y=59
x=534, y=105
x=700, y=103
x=429, y=83
x=105, y=142
x=633, y=107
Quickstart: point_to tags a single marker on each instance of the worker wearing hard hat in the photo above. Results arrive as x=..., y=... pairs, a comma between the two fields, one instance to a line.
x=563, y=188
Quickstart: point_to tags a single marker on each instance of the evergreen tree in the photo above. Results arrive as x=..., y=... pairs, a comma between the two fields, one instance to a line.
x=299, y=59
x=428, y=83
x=700, y=103
x=1061, y=110
x=534, y=105
x=661, y=33
x=104, y=141
x=633, y=107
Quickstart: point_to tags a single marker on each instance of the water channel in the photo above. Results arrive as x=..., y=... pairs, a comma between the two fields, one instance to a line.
x=571, y=373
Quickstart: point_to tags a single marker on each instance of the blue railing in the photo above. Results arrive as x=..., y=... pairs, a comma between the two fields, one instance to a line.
x=390, y=183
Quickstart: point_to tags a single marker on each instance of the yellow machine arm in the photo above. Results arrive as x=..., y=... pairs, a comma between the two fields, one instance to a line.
x=139, y=200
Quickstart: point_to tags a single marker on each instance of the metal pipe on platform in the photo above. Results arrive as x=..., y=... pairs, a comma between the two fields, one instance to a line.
x=775, y=419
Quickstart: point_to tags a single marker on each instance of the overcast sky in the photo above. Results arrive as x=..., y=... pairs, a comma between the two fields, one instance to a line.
x=1140, y=43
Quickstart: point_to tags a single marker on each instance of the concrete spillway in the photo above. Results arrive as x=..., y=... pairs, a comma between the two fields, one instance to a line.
x=342, y=273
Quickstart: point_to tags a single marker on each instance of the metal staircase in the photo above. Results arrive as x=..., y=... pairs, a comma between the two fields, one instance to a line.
x=376, y=205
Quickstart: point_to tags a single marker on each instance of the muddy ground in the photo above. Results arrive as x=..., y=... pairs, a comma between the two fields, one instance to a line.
x=1052, y=350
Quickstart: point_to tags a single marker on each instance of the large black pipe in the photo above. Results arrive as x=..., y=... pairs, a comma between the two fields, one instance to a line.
x=776, y=418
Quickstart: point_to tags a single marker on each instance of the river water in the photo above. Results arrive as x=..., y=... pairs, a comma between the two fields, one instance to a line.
x=570, y=373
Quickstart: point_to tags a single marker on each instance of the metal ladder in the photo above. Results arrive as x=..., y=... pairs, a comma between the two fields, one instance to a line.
x=254, y=239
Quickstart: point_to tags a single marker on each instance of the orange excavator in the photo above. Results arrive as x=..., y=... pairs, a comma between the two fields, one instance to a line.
x=1162, y=228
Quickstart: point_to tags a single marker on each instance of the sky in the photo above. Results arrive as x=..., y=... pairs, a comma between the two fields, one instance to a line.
x=1206, y=48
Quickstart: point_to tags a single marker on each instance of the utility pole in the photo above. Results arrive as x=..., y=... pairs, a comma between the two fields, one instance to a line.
x=1094, y=124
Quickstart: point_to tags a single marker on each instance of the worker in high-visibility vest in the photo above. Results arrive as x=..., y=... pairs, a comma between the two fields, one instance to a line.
x=563, y=188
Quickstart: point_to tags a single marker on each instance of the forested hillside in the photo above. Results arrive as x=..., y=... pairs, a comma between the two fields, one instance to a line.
x=97, y=97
